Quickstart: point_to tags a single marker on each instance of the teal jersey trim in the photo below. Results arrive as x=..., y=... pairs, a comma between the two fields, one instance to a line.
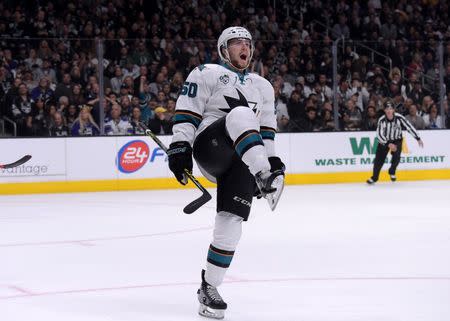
x=219, y=258
x=268, y=134
x=241, y=75
x=185, y=118
x=247, y=143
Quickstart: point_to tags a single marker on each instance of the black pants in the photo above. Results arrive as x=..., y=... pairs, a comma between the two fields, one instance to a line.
x=214, y=152
x=380, y=157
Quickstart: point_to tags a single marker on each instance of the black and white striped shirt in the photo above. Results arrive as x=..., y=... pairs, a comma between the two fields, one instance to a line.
x=391, y=130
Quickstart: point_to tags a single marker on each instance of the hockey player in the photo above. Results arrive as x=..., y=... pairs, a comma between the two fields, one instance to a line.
x=228, y=116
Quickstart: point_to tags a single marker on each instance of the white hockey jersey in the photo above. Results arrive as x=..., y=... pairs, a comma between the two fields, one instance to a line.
x=211, y=91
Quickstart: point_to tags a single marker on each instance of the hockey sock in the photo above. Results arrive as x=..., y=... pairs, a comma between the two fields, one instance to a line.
x=218, y=257
x=227, y=232
x=218, y=263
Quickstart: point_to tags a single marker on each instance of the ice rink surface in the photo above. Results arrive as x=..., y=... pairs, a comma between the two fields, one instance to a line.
x=329, y=253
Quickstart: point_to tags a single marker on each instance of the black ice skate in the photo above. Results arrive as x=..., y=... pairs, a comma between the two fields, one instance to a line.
x=393, y=177
x=370, y=181
x=271, y=185
x=211, y=303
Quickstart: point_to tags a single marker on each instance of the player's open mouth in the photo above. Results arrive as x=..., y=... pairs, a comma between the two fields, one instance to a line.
x=243, y=57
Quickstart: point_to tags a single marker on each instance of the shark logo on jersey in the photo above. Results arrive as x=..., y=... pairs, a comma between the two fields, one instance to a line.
x=224, y=79
x=235, y=102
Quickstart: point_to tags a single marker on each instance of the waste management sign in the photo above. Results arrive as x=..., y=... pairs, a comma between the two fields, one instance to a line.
x=339, y=152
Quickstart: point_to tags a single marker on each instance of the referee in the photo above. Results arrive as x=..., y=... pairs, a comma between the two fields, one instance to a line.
x=389, y=134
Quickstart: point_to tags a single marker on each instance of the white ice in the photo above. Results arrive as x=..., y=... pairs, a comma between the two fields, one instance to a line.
x=329, y=253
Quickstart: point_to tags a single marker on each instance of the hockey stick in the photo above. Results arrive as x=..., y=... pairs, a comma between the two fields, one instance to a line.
x=19, y=162
x=195, y=204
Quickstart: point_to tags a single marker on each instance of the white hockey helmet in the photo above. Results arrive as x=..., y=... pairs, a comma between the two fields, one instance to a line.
x=233, y=33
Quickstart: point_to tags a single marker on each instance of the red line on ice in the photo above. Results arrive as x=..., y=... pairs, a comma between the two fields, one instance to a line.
x=20, y=289
x=146, y=286
x=85, y=242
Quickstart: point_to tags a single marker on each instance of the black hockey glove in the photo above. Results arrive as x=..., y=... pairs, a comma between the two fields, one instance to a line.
x=275, y=164
x=180, y=158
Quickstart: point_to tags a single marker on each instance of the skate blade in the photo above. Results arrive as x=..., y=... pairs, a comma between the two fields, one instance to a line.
x=274, y=197
x=211, y=313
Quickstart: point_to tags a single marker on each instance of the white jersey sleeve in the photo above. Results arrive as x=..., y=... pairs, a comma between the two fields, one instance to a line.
x=191, y=105
x=268, y=120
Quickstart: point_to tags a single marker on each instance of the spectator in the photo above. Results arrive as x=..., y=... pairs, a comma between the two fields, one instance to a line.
x=285, y=86
x=395, y=76
x=71, y=116
x=33, y=62
x=427, y=101
x=407, y=106
x=144, y=100
x=322, y=89
x=156, y=53
x=134, y=103
x=85, y=125
x=117, y=124
x=28, y=80
x=157, y=85
x=409, y=85
x=257, y=65
x=20, y=111
x=359, y=94
x=130, y=70
x=379, y=87
x=43, y=91
x=370, y=117
x=63, y=104
x=415, y=66
x=327, y=121
x=354, y=116
x=38, y=121
x=417, y=93
x=414, y=118
x=295, y=107
x=308, y=124
x=128, y=85
x=280, y=108
x=170, y=108
x=51, y=111
x=161, y=99
x=135, y=119
x=76, y=97
x=343, y=91
x=9, y=61
x=143, y=72
x=58, y=129
x=141, y=56
x=125, y=104
x=46, y=71
x=389, y=29
x=117, y=80
x=77, y=77
x=162, y=123
x=433, y=120
x=341, y=29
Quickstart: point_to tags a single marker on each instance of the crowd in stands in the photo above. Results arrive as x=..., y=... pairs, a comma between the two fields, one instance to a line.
x=49, y=66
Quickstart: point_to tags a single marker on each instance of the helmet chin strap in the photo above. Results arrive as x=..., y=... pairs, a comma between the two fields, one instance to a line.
x=228, y=60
